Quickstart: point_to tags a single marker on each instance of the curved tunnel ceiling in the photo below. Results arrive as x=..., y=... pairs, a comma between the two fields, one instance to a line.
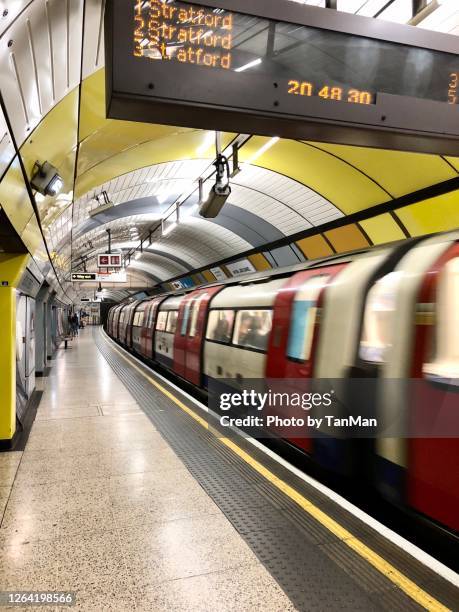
x=282, y=189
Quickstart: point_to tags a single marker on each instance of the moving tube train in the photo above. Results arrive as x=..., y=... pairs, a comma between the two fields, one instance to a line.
x=387, y=313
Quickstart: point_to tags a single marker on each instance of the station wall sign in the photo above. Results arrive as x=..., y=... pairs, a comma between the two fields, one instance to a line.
x=282, y=69
x=240, y=267
x=83, y=276
x=218, y=273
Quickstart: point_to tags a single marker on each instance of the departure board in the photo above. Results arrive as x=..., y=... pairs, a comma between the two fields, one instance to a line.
x=282, y=70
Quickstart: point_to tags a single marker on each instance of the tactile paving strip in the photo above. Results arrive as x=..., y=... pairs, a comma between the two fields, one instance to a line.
x=315, y=569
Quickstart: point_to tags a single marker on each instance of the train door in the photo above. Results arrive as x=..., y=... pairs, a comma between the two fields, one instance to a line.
x=433, y=478
x=295, y=330
x=30, y=353
x=130, y=323
x=137, y=326
x=21, y=355
x=148, y=328
x=180, y=341
x=190, y=334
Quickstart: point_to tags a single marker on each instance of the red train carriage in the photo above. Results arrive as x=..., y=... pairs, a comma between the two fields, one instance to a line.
x=433, y=477
x=389, y=313
x=419, y=342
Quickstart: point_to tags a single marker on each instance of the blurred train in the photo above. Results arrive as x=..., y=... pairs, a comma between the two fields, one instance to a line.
x=386, y=313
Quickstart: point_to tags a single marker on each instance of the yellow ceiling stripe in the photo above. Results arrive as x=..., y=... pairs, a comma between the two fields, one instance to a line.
x=315, y=247
x=210, y=278
x=382, y=228
x=347, y=238
x=259, y=261
x=344, y=186
x=432, y=215
x=399, y=172
x=169, y=145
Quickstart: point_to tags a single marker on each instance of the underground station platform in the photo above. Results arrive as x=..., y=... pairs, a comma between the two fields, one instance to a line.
x=229, y=305
x=127, y=496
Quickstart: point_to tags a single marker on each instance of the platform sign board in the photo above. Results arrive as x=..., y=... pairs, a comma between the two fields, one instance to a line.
x=86, y=277
x=81, y=277
x=276, y=68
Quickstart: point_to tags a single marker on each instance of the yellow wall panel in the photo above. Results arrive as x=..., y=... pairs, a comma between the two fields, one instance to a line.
x=382, y=229
x=92, y=110
x=55, y=136
x=347, y=238
x=314, y=247
x=208, y=276
x=432, y=215
x=11, y=270
x=399, y=172
x=259, y=261
x=346, y=188
x=55, y=141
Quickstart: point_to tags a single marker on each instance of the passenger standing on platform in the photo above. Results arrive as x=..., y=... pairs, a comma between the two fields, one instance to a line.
x=75, y=324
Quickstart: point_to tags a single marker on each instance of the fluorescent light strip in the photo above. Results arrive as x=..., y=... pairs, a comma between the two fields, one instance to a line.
x=256, y=62
x=169, y=229
x=263, y=149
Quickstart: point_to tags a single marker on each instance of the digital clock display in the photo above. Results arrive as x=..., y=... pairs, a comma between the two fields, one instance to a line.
x=278, y=68
x=310, y=62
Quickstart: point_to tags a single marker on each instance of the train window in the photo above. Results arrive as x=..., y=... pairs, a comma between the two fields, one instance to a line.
x=186, y=316
x=304, y=312
x=161, y=320
x=252, y=328
x=220, y=325
x=172, y=321
x=377, y=323
x=445, y=360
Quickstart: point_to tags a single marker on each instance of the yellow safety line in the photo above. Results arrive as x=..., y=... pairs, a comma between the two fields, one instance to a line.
x=420, y=596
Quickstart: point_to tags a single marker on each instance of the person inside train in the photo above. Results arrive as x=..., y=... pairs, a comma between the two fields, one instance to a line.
x=250, y=331
x=222, y=331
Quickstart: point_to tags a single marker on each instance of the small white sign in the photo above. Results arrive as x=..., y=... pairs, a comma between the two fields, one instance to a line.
x=240, y=267
x=218, y=273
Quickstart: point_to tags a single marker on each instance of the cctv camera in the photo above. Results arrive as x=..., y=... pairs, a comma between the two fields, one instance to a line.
x=214, y=203
x=46, y=179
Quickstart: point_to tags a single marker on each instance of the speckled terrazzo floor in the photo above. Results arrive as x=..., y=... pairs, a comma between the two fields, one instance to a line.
x=99, y=504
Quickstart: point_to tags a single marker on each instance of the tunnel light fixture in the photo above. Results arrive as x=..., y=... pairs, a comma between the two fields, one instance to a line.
x=207, y=142
x=46, y=180
x=252, y=64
